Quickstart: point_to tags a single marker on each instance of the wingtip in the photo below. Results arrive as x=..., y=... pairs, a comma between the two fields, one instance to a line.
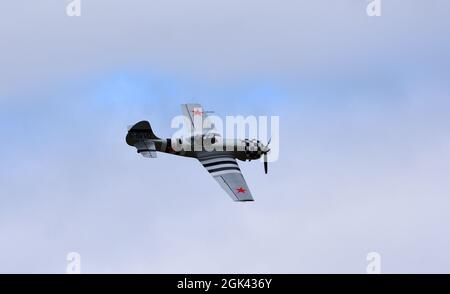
x=244, y=200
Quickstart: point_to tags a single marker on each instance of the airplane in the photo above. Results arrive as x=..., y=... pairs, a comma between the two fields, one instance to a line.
x=221, y=164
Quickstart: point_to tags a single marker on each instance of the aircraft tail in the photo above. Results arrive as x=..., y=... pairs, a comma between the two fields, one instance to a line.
x=142, y=137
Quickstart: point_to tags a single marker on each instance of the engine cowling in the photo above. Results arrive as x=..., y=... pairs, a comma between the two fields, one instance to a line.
x=252, y=149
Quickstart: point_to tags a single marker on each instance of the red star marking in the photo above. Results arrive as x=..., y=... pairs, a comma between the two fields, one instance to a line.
x=241, y=190
x=197, y=111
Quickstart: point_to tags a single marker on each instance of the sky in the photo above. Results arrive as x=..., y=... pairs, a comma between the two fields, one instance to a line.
x=364, y=161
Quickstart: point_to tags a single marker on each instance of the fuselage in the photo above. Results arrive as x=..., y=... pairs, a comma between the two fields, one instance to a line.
x=142, y=137
x=196, y=147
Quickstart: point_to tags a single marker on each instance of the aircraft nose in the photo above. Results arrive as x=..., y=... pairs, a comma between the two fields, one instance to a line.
x=264, y=149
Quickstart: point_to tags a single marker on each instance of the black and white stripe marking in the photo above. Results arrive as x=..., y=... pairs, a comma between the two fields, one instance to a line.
x=220, y=165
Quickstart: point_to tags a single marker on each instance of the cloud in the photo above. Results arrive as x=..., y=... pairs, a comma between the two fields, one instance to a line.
x=218, y=41
x=364, y=158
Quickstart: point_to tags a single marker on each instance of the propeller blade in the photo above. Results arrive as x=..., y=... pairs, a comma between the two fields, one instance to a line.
x=266, y=164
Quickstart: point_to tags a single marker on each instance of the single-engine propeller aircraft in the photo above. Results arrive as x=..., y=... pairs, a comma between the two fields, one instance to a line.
x=219, y=162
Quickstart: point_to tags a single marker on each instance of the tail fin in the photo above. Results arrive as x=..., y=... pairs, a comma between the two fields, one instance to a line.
x=142, y=137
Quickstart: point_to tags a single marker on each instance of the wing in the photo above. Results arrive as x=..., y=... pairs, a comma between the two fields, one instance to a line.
x=226, y=172
x=197, y=117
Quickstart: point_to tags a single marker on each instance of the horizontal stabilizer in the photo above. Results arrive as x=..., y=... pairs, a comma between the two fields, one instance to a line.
x=146, y=148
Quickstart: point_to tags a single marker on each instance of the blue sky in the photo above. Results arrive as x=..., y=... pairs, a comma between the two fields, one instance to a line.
x=364, y=159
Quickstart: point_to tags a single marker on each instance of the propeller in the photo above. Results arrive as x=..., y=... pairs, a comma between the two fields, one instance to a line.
x=266, y=164
x=266, y=150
